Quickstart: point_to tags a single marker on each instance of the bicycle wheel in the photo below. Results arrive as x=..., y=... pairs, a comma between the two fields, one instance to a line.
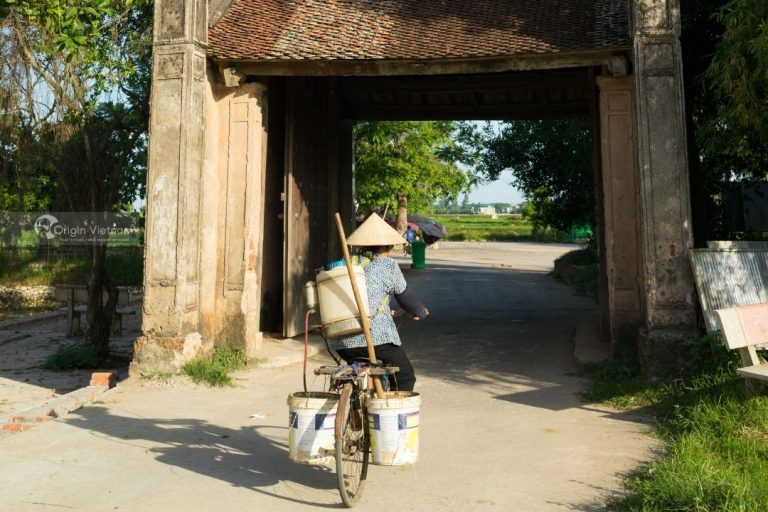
x=351, y=431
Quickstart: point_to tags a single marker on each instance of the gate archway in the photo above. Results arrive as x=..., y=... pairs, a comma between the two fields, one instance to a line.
x=250, y=147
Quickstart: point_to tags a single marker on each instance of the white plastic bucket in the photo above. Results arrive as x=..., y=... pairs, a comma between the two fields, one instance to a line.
x=339, y=315
x=311, y=418
x=393, y=422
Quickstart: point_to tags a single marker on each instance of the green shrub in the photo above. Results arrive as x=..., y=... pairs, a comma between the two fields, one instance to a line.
x=214, y=369
x=76, y=356
x=126, y=269
x=580, y=270
x=229, y=359
x=204, y=371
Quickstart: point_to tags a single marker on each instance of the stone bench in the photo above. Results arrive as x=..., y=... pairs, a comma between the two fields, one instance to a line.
x=117, y=319
x=74, y=295
x=743, y=328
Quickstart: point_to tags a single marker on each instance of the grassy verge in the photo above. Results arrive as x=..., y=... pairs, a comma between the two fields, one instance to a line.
x=580, y=270
x=714, y=431
x=125, y=269
x=505, y=228
x=214, y=370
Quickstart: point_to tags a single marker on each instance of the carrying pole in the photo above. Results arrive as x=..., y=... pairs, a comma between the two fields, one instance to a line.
x=363, y=317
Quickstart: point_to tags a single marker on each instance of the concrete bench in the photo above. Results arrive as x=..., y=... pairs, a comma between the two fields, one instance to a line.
x=74, y=294
x=743, y=328
x=117, y=319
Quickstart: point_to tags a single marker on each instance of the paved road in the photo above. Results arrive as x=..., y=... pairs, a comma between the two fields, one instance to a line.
x=23, y=351
x=502, y=427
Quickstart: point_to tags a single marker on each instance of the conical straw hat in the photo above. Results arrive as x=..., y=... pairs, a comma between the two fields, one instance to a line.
x=375, y=231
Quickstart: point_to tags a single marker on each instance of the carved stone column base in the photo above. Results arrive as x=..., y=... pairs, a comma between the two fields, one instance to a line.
x=661, y=350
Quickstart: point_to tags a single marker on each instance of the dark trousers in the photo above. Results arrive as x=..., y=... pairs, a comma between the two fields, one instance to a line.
x=391, y=355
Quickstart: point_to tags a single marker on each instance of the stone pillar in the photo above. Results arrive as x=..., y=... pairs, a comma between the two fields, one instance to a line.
x=170, y=327
x=664, y=192
x=621, y=207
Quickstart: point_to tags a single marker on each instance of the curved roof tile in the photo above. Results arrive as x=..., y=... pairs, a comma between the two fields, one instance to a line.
x=415, y=29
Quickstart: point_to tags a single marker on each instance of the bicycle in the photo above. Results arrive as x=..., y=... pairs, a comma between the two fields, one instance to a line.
x=351, y=434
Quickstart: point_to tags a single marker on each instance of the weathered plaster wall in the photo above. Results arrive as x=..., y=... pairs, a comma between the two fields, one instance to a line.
x=211, y=322
x=204, y=200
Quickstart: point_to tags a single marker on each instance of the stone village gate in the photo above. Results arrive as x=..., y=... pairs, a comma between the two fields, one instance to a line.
x=253, y=103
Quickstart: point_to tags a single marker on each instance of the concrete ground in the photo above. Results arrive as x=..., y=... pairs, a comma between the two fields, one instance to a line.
x=502, y=427
x=24, y=348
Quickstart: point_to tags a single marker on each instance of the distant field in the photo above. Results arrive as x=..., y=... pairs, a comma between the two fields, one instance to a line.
x=505, y=228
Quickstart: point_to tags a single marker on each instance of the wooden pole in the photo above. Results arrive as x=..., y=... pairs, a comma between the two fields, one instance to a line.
x=363, y=317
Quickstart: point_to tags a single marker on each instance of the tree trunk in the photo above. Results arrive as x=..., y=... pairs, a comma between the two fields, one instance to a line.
x=99, y=314
x=401, y=225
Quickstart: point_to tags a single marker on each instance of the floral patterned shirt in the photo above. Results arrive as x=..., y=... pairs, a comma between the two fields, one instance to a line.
x=383, y=278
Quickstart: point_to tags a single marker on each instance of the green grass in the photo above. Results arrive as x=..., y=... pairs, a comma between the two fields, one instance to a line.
x=76, y=356
x=125, y=269
x=505, y=228
x=580, y=270
x=214, y=370
x=714, y=431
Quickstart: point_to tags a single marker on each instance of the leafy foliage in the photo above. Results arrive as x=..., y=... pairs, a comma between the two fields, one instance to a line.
x=86, y=31
x=551, y=161
x=74, y=356
x=739, y=68
x=125, y=268
x=725, y=58
x=77, y=81
x=416, y=159
x=580, y=270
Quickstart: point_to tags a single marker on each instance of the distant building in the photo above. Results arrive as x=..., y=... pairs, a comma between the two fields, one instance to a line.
x=487, y=210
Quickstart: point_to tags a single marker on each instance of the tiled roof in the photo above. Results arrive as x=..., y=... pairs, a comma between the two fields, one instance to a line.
x=415, y=29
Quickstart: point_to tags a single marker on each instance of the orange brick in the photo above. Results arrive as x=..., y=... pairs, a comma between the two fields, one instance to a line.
x=106, y=379
x=43, y=419
x=16, y=427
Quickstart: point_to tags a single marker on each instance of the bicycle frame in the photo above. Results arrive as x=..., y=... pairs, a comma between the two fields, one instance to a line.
x=352, y=438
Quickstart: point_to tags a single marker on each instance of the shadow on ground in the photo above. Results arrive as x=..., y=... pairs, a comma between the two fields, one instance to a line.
x=254, y=458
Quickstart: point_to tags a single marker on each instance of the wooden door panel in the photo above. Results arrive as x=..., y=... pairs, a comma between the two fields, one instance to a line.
x=307, y=202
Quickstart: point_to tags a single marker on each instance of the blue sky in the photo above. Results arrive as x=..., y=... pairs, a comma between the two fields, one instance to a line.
x=499, y=191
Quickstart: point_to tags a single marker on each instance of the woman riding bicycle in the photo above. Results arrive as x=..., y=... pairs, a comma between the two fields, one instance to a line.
x=383, y=279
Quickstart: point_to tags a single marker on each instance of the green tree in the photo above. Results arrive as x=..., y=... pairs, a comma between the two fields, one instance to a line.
x=551, y=161
x=409, y=164
x=89, y=62
x=725, y=59
x=73, y=25
x=738, y=74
